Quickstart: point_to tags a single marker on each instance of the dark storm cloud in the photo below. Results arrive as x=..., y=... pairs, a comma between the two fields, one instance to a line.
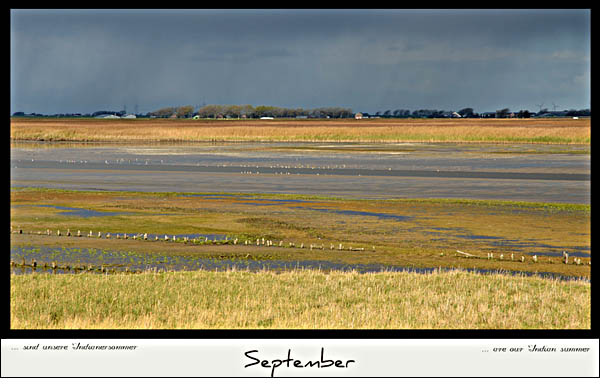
x=368, y=60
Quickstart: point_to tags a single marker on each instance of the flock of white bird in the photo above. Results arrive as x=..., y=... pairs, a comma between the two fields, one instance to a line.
x=185, y=239
x=262, y=242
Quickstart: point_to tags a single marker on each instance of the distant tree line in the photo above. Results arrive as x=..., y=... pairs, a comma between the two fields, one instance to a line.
x=219, y=111
x=470, y=113
x=216, y=111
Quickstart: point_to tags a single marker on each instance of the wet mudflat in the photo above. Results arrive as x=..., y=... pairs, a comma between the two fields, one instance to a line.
x=74, y=260
x=379, y=217
x=535, y=173
x=283, y=230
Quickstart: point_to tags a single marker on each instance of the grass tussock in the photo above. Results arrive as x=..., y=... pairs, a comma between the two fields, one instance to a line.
x=301, y=299
x=388, y=130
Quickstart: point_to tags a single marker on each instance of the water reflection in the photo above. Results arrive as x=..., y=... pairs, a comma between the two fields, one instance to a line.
x=528, y=172
x=80, y=259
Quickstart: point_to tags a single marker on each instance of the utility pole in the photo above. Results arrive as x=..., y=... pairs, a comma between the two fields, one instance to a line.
x=554, y=107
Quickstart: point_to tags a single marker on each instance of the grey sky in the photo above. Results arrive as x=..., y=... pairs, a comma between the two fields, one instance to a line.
x=367, y=60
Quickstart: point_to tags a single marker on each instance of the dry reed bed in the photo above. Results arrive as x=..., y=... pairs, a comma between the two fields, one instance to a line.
x=300, y=299
x=157, y=130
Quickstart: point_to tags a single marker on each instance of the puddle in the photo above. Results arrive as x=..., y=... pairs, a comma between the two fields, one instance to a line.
x=360, y=213
x=479, y=237
x=122, y=260
x=77, y=212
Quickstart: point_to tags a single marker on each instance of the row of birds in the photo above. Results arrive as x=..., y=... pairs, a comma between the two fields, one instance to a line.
x=268, y=243
x=145, y=161
x=576, y=260
x=129, y=161
x=139, y=236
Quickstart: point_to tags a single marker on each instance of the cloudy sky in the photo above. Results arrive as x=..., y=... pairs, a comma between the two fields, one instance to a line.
x=367, y=60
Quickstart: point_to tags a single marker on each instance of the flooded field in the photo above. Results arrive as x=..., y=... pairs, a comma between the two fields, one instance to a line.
x=534, y=173
x=325, y=206
x=123, y=213
x=75, y=260
x=282, y=231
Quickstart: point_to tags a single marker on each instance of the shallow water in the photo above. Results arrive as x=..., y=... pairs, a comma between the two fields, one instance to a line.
x=77, y=212
x=120, y=260
x=359, y=213
x=504, y=172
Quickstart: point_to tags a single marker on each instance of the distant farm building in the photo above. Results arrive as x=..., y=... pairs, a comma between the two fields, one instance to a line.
x=266, y=117
x=107, y=116
x=456, y=115
x=358, y=115
x=196, y=117
x=129, y=116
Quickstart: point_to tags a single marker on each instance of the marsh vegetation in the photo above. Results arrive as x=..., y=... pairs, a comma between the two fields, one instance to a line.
x=299, y=299
x=339, y=130
x=400, y=233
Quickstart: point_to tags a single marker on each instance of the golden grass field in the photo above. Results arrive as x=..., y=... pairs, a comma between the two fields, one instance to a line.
x=563, y=130
x=300, y=299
